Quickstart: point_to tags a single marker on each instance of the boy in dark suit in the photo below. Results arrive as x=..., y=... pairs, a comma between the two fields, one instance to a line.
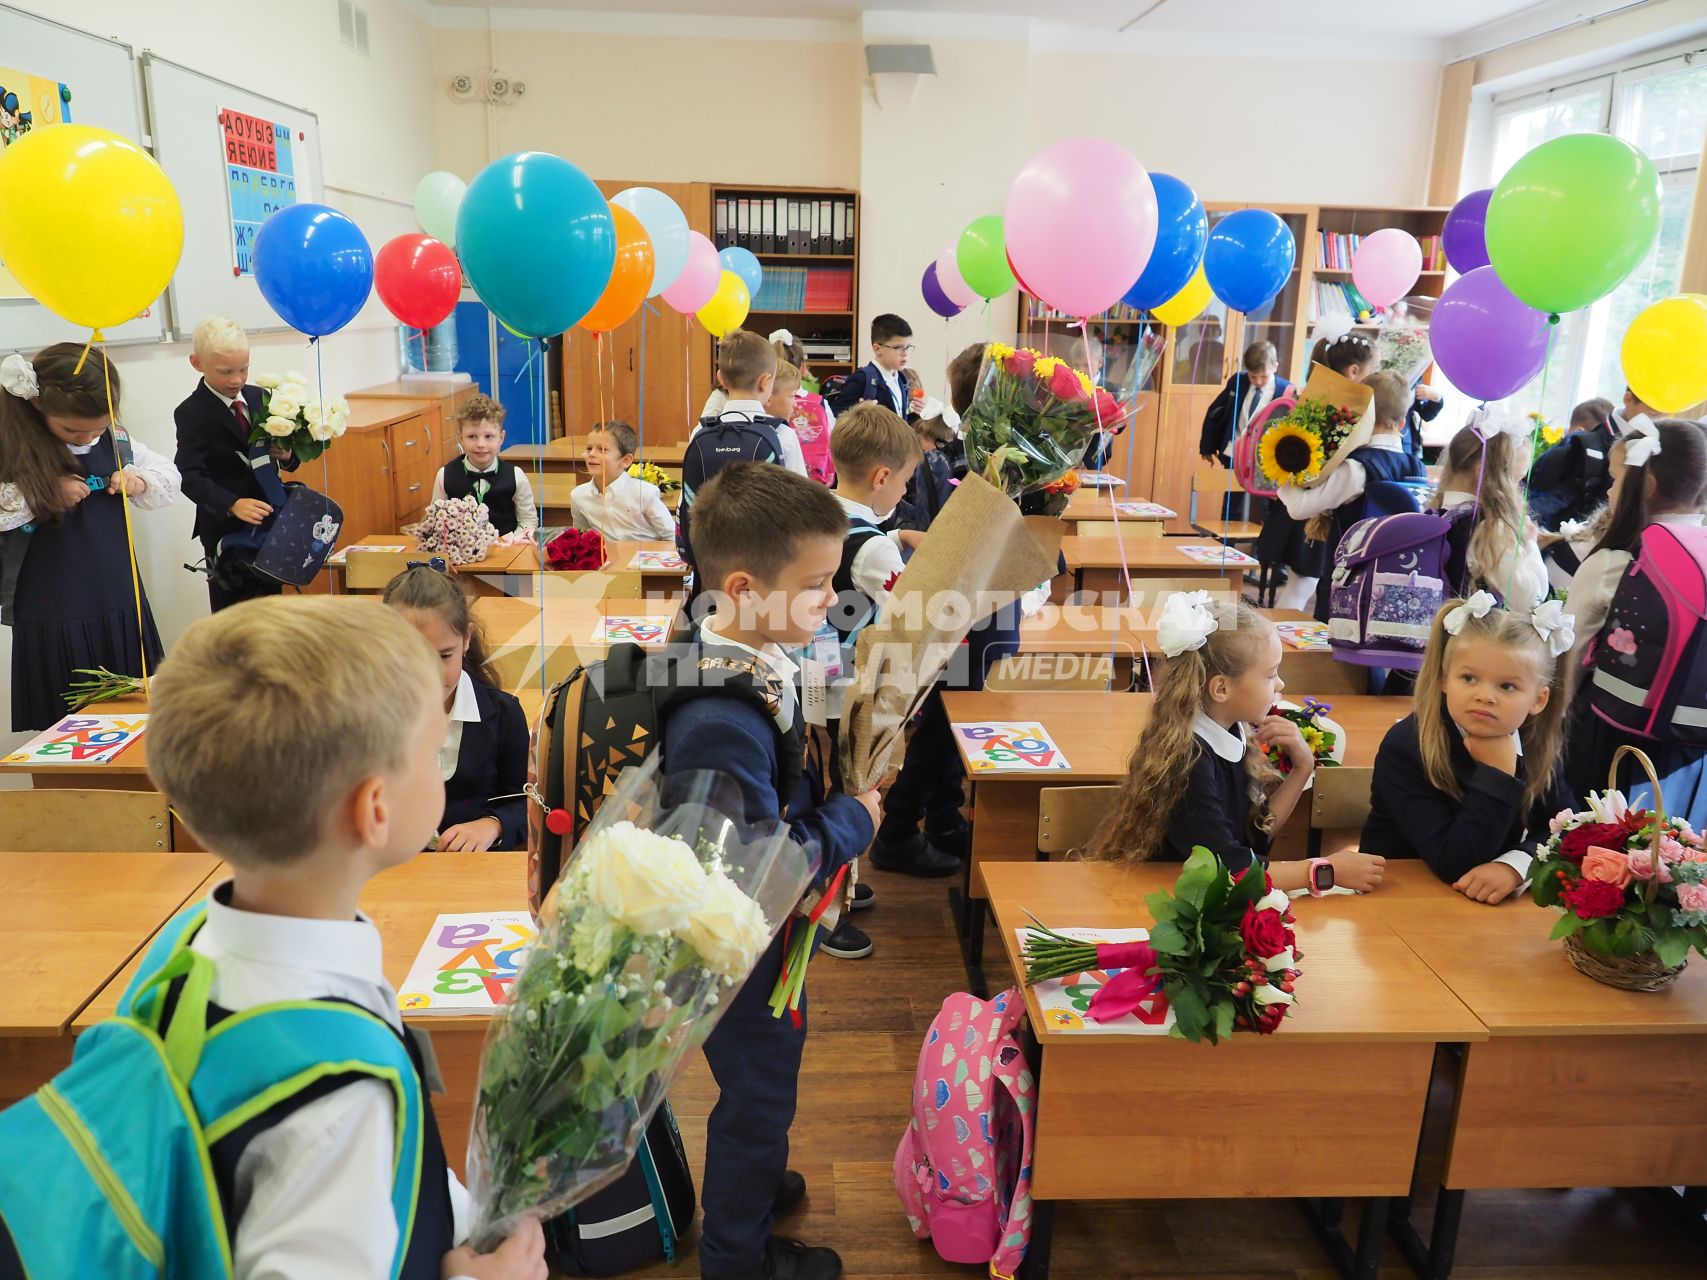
x=883, y=380
x=213, y=454
x=1257, y=386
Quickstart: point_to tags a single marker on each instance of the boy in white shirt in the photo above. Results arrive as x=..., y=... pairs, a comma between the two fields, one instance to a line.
x=501, y=487
x=337, y=703
x=622, y=507
x=746, y=371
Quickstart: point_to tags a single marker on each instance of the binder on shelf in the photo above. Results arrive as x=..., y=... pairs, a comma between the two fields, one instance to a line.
x=826, y=234
x=794, y=226
x=740, y=240
x=850, y=231
x=722, y=223
x=810, y=232
x=767, y=228
x=838, y=226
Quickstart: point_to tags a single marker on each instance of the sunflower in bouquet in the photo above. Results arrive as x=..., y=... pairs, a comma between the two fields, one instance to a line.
x=1294, y=449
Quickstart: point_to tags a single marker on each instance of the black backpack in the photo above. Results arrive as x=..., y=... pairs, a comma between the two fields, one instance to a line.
x=638, y=1219
x=718, y=442
x=1571, y=480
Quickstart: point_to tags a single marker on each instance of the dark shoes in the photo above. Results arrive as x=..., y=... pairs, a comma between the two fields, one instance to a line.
x=790, y=1195
x=864, y=896
x=846, y=942
x=787, y=1259
x=913, y=855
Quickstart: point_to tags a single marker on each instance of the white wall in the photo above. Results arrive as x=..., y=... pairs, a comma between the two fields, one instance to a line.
x=376, y=135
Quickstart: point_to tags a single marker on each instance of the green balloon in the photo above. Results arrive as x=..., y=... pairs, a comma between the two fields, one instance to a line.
x=982, y=256
x=1571, y=219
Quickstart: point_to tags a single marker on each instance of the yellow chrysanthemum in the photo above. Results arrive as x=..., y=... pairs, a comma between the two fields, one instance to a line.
x=1000, y=351
x=1291, y=453
x=1046, y=365
x=1084, y=380
x=1552, y=435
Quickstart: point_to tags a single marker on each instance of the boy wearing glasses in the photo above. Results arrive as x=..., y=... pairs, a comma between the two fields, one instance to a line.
x=883, y=380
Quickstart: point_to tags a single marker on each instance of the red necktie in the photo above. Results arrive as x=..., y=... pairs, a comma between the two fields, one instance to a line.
x=242, y=412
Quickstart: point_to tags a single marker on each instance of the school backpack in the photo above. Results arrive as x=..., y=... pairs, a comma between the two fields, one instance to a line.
x=290, y=545
x=963, y=1169
x=1571, y=480
x=1650, y=657
x=1391, y=574
x=637, y=1219
x=1247, y=458
x=111, y=1164
x=811, y=422
x=718, y=442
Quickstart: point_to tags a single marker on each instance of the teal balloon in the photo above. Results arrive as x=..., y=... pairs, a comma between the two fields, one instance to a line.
x=1571, y=219
x=745, y=265
x=537, y=242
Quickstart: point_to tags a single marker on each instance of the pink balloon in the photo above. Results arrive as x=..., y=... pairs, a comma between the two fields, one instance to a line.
x=1386, y=266
x=1080, y=222
x=699, y=278
x=949, y=279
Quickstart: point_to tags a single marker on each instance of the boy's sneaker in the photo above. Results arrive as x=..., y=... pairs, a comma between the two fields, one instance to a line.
x=787, y=1259
x=913, y=855
x=864, y=896
x=846, y=942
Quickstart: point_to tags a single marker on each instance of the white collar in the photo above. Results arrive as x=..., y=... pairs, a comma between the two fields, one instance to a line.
x=1225, y=743
x=464, y=706
x=859, y=511
x=1682, y=518
x=753, y=408
x=1456, y=498
x=1392, y=444
x=350, y=948
x=81, y=449
x=479, y=471
x=225, y=400
x=786, y=668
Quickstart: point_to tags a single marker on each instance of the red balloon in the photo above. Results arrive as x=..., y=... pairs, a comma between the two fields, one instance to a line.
x=417, y=279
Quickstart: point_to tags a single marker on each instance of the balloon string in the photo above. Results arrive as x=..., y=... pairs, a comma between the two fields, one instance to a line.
x=645, y=309
x=320, y=390
x=1523, y=517
x=124, y=497
x=1114, y=508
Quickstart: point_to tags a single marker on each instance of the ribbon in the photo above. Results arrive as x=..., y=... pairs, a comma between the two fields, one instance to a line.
x=1131, y=987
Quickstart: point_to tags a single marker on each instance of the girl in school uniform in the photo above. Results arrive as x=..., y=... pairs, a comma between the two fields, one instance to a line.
x=484, y=759
x=1468, y=781
x=65, y=557
x=1199, y=775
x=1483, y=469
x=1659, y=476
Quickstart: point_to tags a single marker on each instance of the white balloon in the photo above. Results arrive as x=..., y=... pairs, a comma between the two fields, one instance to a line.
x=438, y=197
x=667, y=227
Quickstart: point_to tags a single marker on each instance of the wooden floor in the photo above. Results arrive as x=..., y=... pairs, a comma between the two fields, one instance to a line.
x=868, y=1018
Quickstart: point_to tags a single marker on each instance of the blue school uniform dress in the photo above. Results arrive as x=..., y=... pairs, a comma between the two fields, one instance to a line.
x=485, y=756
x=75, y=606
x=1215, y=806
x=753, y=1056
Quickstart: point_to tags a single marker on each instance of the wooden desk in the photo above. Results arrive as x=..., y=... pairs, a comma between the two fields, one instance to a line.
x=1096, y=732
x=521, y=644
x=1145, y=1116
x=565, y=456
x=1094, y=563
x=482, y=577
x=76, y=920
x=1097, y=506
x=653, y=582
x=127, y=771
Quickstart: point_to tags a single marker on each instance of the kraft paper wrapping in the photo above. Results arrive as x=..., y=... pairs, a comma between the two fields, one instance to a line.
x=1341, y=392
x=981, y=554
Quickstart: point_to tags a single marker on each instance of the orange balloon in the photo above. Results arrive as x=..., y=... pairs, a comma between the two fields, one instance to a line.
x=630, y=279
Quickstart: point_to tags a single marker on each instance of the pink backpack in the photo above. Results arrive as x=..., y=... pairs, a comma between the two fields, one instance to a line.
x=811, y=422
x=1648, y=663
x=1247, y=462
x=963, y=1169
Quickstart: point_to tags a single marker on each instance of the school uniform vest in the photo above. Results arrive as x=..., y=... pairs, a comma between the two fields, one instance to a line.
x=853, y=609
x=496, y=489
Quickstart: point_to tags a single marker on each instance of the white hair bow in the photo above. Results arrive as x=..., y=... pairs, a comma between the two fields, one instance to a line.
x=1641, y=441
x=1479, y=605
x=1501, y=420
x=1185, y=623
x=1557, y=629
x=18, y=376
x=781, y=335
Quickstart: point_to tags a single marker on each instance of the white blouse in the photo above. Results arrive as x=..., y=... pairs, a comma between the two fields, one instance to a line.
x=158, y=473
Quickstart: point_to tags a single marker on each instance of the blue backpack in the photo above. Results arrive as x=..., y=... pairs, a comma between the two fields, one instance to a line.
x=718, y=442
x=110, y=1170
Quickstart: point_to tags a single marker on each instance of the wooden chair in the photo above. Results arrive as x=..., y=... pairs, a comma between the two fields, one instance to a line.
x=1339, y=801
x=373, y=570
x=1217, y=483
x=65, y=820
x=1069, y=816
x=1051, y=673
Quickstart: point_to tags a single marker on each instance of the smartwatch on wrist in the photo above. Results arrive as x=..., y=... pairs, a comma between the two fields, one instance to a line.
x=1319, y=876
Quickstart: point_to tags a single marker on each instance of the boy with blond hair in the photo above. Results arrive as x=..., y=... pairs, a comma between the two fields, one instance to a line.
x=501, y=487
x=299, y=741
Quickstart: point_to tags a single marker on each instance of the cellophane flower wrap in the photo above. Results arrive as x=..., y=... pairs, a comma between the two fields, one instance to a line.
x=1598, y=867
x=290, y=417
x=1032, y=418
x=459, y=529
x=1317, y=736
x=660, y=915
x=576, y=549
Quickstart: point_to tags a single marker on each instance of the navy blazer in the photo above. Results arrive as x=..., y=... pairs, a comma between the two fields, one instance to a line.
x=868, y=384
x=1421, y=411
x=1218, y=418
x=213, y=459
x=1214, y=810
x=492, y=761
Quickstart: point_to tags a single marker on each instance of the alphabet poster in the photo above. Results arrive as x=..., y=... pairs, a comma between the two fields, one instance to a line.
x=260, y=177
x=1009, y=748
x=81, y=740
x=612, y=629
x=27, y=102
x=467, y=963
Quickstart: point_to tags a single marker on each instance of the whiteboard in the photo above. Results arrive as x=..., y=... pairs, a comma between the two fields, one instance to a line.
x=101, y=75
x=184, y=109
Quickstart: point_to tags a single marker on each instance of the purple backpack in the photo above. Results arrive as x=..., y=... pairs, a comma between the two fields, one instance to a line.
x=1391, y=575
x=963, y=1169
x=1650, y=658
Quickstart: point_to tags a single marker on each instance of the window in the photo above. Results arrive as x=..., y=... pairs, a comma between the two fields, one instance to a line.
x=1661, y=108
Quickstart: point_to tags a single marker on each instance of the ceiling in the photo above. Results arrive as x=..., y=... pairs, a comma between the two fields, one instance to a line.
x=1424, y=19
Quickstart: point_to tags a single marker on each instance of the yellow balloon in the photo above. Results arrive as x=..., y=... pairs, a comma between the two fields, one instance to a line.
x=728, y=306
x=93, y=228
x=1665, y=353
x=1185, y=305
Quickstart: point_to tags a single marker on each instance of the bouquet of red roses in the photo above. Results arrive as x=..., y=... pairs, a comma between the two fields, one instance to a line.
x=576, y=549
x=1221, y=951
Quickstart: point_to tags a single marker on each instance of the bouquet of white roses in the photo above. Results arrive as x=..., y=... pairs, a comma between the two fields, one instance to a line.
x=669, y=901
x=291, y=419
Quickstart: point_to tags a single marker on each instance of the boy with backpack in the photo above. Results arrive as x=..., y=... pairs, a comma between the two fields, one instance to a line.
x=299, y=739
x=768, y=544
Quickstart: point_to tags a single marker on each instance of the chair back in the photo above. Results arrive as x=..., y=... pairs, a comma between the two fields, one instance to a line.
x=1068, y=816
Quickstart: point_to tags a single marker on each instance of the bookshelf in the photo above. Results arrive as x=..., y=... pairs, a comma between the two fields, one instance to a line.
x=807, y=239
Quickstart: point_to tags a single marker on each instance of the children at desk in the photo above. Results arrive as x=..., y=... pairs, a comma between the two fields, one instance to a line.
x=484, y=758
x=1659, y=477
x=1199, y=775
x=1481, y=476
x=1468, y=781
x=622, y=507
x=299, y=738
x=68, y=478
x=768, y=545
x=502, y=487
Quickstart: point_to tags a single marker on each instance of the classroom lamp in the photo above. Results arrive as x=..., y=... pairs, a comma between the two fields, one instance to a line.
x=895, y=70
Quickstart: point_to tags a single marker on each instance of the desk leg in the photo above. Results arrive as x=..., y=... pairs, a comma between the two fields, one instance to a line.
x=1371, y=1231
x=1365, y=1261
x=1036, y=1264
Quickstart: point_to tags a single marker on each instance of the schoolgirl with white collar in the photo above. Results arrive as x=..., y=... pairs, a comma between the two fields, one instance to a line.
x=1199, y=774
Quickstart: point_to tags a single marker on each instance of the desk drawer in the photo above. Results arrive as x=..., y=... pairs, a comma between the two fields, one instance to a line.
x=412, y=487
x=411, y=445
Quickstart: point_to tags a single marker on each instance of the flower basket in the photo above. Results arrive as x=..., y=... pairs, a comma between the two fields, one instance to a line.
x=1632, y=884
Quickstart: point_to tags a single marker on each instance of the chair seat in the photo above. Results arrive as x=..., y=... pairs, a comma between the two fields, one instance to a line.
x=1228, y=530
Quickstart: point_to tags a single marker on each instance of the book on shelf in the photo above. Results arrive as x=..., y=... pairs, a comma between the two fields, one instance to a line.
x=805, y=289
x=1335, y=251
x=1036, y=311
x=1333, y=298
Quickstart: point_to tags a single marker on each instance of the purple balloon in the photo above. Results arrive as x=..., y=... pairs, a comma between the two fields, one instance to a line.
x=1463, y=238
x=935, y=298
x=1487, y=342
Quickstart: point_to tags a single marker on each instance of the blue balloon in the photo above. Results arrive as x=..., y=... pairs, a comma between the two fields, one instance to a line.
x=314, y=267
x=1181, y=228
x=1248, y=257
x=537, y=242
x=745, y=265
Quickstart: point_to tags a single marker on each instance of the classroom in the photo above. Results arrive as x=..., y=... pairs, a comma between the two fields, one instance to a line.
x=774, y=641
